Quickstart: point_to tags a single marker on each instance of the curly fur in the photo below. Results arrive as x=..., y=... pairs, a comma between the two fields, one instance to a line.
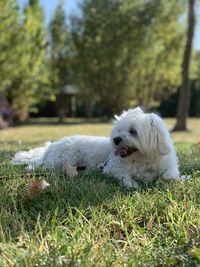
x=153, y=150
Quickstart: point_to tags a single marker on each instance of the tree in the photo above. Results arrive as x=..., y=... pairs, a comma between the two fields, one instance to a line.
x=104, y=53
x=26, y=88
x=132, y=56
x=157, y=74
x=184, y=94
x=9, y=26
x=59, y=58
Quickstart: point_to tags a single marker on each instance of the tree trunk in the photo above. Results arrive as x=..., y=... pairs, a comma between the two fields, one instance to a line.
x=184, y=93
x=61, y=106
x=22, y=114
x=89, y=106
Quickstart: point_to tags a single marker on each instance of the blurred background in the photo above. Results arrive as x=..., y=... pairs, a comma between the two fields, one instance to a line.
x=94, y=58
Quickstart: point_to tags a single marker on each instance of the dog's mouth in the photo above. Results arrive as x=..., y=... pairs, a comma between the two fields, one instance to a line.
x=124, y=152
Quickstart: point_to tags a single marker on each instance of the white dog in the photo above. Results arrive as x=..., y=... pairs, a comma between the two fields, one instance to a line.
x=140, y=149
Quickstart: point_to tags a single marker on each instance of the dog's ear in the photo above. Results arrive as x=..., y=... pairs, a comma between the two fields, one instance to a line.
x=117, y=118
x=129, y=111
x=138, y=110
x=160, y=134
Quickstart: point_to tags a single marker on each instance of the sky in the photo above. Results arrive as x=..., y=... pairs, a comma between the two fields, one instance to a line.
x=71, y=7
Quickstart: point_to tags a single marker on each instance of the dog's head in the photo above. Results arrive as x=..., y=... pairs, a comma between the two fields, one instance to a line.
x=136, y=133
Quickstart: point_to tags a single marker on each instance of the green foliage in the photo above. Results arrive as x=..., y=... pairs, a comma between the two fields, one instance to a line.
x=59, y=49
x=9, y=26
x=60, y=56
x=32, y=49
x=158, y=70
x=22, y=51
x=135, y=54
x=104, y=55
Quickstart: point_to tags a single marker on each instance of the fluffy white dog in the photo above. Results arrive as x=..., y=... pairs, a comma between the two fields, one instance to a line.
x=140, y=149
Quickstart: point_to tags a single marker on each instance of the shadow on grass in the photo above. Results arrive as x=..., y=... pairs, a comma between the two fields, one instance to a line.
x=85, y=191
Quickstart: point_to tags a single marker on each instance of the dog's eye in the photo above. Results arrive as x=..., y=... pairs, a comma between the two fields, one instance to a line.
x=133, y=131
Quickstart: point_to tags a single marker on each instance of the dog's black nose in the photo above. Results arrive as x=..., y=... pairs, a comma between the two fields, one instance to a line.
x=117, y=140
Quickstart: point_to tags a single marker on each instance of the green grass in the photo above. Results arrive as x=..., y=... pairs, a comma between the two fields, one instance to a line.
x=91, y=220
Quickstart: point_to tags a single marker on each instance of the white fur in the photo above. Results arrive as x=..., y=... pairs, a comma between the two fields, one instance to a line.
x=73, y=151
x=155, y=155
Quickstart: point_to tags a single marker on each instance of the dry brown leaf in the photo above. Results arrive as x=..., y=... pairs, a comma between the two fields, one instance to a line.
x=36, y=187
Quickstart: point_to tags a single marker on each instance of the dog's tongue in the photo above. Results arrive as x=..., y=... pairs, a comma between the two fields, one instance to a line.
x=120, y=152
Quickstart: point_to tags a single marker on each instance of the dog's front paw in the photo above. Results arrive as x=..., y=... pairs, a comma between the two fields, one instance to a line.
x=69, y=170
x=129, y=182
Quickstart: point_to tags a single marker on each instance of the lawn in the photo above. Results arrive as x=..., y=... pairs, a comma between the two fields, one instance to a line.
x=91, y=220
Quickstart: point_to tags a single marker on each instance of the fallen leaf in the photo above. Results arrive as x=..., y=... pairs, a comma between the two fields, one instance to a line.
x=36, y=187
